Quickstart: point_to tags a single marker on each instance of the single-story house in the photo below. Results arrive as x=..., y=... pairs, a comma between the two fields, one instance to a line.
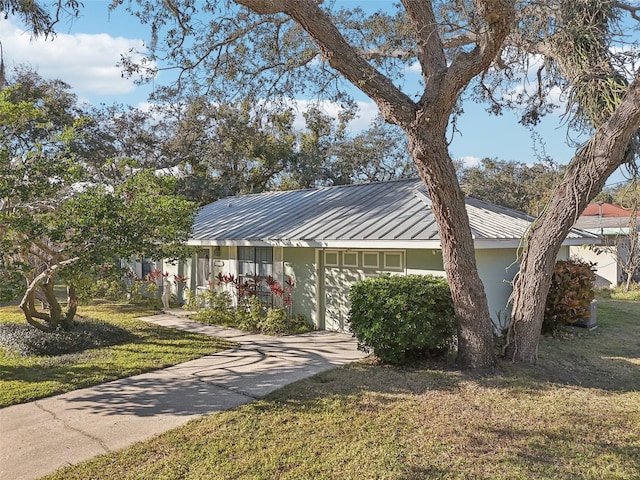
x=328, y=238
x=611, y=223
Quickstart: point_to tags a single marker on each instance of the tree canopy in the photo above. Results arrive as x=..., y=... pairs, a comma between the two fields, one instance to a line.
x=510, y=184
x=277, y=49
x=55, y=220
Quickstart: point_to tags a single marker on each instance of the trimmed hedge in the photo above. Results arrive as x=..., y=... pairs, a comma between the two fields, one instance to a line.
x=402, y=318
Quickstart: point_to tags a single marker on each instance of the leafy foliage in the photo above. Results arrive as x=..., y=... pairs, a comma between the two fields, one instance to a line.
x=512, y=184
x=82, y=335
x=56, y=221
x=402, y=318
x=570, y=294
x=240, y=148
x=250, y=315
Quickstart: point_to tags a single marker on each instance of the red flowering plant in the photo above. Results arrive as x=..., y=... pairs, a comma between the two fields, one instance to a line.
x=180, y=279
x=251, y=287
x=282, y=291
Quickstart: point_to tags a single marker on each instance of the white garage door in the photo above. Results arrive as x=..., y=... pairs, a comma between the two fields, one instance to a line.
x=343, y=268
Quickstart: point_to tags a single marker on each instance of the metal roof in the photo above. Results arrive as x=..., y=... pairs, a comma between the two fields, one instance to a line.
x=397, y=211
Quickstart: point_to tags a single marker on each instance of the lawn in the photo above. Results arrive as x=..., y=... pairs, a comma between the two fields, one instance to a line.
x=575, y=415
x=149, y=347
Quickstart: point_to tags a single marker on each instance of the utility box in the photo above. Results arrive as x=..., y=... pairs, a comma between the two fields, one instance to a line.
x=590, y=322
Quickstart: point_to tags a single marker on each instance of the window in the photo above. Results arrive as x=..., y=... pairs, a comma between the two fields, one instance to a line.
x=331, y=258
x=370, y=259
x=148, y=266
x=349, y=259
x=203, y=268
x=393, y=261
x=256, y=261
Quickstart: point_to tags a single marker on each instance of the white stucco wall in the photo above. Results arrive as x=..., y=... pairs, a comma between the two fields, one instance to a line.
x=607, y=270
x=497, y=267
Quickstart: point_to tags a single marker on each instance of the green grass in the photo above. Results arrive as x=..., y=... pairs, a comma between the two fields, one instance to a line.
x=23, y=379
x=575, y=415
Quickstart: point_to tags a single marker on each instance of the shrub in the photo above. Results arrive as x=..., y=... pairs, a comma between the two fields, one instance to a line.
x=275, y=322
x=299, y=323
x=570, y=295
x=217, y=308
x=402, y=318
x=249, y=314
x=84, y=334
x=108, y=288
x=633, y=294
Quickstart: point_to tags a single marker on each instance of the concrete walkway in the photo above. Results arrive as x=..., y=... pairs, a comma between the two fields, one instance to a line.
x=40, y=437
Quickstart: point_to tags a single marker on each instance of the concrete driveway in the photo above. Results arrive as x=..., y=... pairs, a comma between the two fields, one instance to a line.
x=40, y=437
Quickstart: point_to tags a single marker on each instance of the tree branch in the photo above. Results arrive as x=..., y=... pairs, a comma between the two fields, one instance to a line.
x=394, y=105
x=633, y=11
x=497, y=16
x=430, y=48
x=42, y=277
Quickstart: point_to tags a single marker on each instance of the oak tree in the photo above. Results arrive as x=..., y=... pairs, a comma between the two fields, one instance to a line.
x=55, y=221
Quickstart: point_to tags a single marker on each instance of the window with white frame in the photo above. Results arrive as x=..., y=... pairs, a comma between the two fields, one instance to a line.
x=255, y=264
x=349, y=259
x=331, y=258
x=393, y=261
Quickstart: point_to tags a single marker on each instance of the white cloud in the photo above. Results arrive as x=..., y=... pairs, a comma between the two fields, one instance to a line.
x=414, y=68
x=469, y=161
x=367, y=112
x=87, y=62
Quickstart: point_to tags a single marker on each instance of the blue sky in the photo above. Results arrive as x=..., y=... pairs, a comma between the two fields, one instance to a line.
x=85, y=55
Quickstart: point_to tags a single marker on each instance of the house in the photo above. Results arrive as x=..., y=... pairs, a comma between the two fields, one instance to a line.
x=611, y=223
x=329, y=238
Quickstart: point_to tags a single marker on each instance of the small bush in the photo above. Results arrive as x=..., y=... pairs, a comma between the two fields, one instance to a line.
x=402, y=318
x=570, y=295
x=108, y=288
x=299, y=323
x=27, y=340
x=633, y=294
x=249, y=314
x=275, y=322
x=217, y=308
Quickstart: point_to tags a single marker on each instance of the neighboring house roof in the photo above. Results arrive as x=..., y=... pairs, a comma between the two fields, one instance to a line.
x=394, y=214
x=604, y=219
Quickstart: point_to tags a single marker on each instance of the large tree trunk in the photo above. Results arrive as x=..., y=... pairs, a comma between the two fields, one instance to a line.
x=425, y=123
x=72, y=305
x=475, y=335
x=585, y=177
x=45, y=281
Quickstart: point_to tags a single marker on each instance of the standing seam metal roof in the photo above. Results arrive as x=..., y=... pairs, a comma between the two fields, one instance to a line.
x=395, y=210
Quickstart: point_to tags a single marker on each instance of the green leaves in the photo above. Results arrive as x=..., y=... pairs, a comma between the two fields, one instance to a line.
x=402, y=317
x=55, y=220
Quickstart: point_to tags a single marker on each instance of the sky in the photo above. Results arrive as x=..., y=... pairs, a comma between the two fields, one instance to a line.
x=86, y=52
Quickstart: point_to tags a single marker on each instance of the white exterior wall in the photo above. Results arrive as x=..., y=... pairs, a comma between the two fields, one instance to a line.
x=607, y=270
x=497, y=269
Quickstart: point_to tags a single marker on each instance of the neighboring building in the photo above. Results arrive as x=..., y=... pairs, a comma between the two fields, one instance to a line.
x=611, y=223
x=329, y=238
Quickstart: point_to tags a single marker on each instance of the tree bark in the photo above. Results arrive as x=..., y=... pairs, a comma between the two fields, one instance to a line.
x=28, y=307
x=44, y=281
x=72, y=305
x=475, y=334
x=587, y=173
x=425, y=123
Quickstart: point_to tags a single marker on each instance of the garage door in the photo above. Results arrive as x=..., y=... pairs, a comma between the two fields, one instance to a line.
x=343, y=268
